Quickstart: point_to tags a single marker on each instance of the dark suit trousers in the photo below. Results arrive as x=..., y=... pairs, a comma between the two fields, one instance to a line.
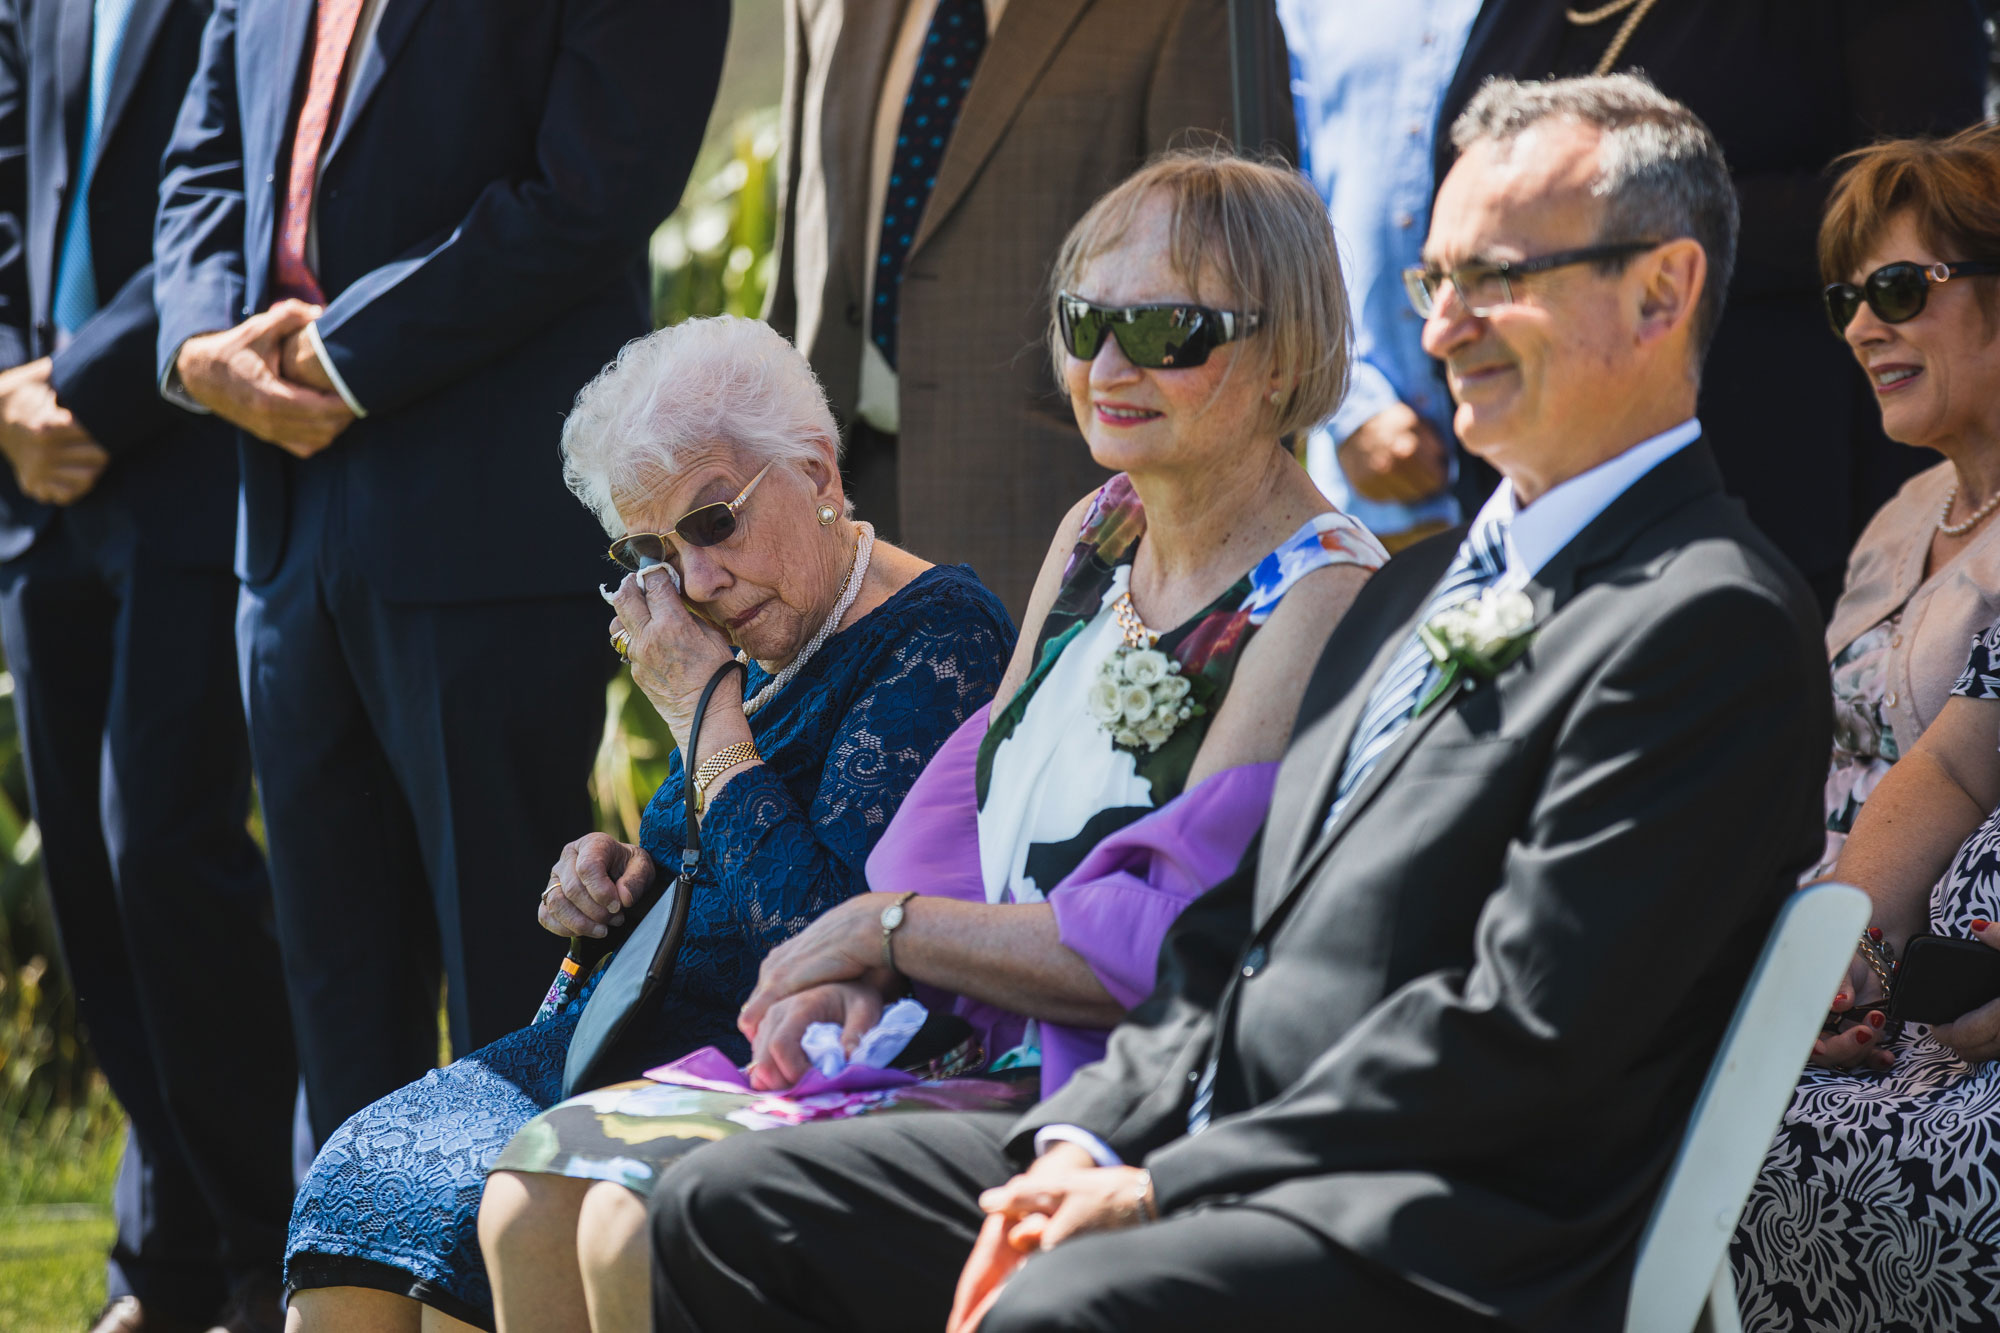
x=864, y=1224
x=421, y=768
x=139, y=776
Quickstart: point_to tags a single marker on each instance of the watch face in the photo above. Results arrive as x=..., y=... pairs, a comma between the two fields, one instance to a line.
x=892, y=917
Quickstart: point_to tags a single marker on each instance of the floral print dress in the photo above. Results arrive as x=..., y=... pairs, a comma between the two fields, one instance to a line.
x=1878, y=1206
x=1864, y=746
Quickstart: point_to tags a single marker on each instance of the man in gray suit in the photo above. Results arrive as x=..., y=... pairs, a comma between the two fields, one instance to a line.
x=1424, y=1060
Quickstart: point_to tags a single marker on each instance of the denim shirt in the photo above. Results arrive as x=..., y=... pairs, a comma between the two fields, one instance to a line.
x=1368, y=80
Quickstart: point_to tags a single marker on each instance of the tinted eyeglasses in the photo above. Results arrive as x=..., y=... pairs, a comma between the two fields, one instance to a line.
x=1896, y=292
x=1152, y=337
x=1485, y=287
x=704, y=525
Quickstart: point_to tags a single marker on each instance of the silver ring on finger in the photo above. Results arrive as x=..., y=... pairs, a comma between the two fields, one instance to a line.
x=621, y=643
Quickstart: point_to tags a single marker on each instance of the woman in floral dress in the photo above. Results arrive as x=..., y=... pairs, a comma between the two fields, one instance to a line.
x=1127, y=761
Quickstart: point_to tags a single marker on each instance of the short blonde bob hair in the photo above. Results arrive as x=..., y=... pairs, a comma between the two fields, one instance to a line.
x=1263, y=234
x=676, y=393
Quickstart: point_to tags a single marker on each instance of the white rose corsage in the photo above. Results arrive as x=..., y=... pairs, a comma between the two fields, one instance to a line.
x=1479, y=638
x=1141, y=698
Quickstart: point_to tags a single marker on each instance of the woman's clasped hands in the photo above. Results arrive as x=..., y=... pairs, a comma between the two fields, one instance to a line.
x=833, y=971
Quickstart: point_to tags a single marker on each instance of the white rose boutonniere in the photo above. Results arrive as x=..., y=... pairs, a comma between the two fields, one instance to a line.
x=1479, y=638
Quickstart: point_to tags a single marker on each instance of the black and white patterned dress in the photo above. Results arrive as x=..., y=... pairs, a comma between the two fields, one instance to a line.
x=1878, y=1205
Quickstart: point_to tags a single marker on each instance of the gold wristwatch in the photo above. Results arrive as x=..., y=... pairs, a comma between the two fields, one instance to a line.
x=728, y=757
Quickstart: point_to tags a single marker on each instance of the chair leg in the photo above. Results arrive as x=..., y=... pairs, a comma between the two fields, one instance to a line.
x=1719, y=1313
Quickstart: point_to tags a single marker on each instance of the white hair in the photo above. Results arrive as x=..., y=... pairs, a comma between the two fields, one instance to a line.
x=677, y=393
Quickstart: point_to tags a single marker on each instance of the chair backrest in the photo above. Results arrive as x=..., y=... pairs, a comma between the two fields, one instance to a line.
x=1740, y=1106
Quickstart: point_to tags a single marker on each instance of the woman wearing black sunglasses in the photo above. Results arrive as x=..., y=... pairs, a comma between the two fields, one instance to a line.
x=709, y=450
x=1910, y=247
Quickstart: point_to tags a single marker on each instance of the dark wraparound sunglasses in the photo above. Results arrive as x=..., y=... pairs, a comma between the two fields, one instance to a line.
x=1484, y=287
x=1153, y=337
x=704, y=525
x=1897, y=292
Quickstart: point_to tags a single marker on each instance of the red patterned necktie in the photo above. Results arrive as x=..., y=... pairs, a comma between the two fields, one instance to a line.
x=335, y=33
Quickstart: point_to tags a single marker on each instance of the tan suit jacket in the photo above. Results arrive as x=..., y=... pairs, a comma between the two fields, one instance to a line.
x=1070, y=97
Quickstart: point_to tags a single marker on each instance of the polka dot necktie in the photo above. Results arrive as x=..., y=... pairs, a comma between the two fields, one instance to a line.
x=950, y=53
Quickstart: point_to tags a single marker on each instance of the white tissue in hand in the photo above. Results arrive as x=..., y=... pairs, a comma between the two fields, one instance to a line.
x=877, y=1047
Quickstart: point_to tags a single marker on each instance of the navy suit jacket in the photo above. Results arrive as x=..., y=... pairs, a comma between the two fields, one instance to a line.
x=172, y=481
x=484, y=209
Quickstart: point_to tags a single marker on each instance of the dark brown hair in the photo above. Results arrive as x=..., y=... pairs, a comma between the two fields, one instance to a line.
x=1949, y=187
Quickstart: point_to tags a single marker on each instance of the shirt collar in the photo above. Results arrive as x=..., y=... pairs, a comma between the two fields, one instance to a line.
x=1536, y=533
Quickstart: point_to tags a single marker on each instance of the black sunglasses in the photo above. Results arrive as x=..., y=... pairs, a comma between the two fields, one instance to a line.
x=1896, y=292
x=1485, y=286
x=704, y=525
x=1152, y=337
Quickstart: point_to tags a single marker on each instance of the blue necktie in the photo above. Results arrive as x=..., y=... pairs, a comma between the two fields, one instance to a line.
x=1392, y=705
x=950, y=53
x=76, y=278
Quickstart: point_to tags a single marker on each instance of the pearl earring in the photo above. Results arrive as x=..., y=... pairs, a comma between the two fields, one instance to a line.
x=827, y=513
x=1275, y=396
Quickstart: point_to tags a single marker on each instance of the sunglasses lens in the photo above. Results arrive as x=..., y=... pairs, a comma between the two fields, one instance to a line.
x=1175, y=338
x=1843, y=303
x=707, y=525
x=1082, y=329
x=1897, y=292
x=639, y=550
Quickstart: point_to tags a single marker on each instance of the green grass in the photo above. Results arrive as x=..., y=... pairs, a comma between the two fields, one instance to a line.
x=56, y=1169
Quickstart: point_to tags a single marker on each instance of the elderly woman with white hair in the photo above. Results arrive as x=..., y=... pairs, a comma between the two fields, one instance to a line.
x=709, y=453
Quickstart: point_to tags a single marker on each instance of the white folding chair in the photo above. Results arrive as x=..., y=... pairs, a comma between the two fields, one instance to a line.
x=1682, y=1281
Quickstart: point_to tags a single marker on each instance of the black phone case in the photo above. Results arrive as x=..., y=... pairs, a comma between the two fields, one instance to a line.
x=1942, y=979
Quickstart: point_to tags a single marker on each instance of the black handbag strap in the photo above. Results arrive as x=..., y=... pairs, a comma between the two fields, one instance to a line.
x=691, y=846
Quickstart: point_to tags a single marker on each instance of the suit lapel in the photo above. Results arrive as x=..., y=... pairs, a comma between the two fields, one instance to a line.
x=73, y=78
x=399, y=19
x=1029, y=34
x=147, y=18
x=279, y=35
x=1677, y=480
x=1318, y=751
x=860, y=57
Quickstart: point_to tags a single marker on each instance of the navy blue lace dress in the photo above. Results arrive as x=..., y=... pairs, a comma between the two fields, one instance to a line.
x=391, y=1201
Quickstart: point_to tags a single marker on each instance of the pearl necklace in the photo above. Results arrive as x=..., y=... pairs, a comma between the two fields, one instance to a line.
x=864, y=546
x=1966, y=525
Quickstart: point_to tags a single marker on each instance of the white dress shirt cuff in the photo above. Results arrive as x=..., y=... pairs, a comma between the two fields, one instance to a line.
x=1100, y=1151
x=332, y=373
x=176, y=392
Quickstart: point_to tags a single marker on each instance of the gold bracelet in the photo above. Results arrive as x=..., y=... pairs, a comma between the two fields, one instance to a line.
x=728, y=757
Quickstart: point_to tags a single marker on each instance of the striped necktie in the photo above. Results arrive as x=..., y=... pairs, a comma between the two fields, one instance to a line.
x=333, y=33
x=1392, y=705
x=951, y=51
x=76, y=275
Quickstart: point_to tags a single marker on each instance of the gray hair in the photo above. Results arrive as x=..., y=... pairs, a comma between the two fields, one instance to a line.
x=676, y=393
x=1660, y=172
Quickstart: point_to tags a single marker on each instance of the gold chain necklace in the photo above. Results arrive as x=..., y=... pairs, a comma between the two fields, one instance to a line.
x=1134, y=629
x=1584, y=18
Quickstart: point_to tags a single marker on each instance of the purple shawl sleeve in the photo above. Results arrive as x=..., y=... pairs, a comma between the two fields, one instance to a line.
x=1113, y=909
